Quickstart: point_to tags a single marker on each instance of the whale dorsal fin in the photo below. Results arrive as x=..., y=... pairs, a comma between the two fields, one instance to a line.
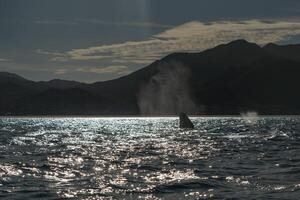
x=185, y=122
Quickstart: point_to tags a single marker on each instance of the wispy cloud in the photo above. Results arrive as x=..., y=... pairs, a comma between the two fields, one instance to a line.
x=60, y=71
x=55, y=56
x=103, y=22
x=57, y=22
x=118, y=70
x=190, y=37
x=128, y=23
x=4, y=60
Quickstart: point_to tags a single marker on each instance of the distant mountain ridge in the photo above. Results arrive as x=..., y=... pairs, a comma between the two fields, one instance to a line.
x=228, y=79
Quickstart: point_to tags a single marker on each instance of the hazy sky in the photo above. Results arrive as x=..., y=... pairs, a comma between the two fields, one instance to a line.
x=95, y=40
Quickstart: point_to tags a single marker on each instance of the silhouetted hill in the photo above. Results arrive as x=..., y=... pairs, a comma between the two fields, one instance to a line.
x=5, y=76
x=61, y=84
x=228, y=79
x=287, y=51
x=73, y=101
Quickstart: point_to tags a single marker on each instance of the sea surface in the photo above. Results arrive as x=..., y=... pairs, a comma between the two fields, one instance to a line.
x=150, y=158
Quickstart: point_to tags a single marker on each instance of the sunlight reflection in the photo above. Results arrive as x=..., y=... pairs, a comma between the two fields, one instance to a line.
x=144, y=158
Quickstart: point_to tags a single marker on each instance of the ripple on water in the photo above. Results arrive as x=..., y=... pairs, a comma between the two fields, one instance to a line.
x=147, y=158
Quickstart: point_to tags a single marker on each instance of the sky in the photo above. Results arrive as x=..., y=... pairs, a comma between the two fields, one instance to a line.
x=98, y=40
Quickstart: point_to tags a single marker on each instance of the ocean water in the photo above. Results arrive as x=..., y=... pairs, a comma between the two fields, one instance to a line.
x=150, y=158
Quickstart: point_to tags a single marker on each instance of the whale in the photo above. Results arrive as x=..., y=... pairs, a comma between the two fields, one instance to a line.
x=185, y=122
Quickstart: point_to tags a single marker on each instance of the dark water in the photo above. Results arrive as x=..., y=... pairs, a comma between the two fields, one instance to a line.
x=149, y=158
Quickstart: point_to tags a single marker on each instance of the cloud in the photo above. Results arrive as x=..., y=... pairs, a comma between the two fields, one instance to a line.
x=55, y=56
x=60, y=71
x=119, y=70
x=103, y=22
x=190, y=37
x=130, y=23
x=40, y=51
x=4, y=60
x=53, y=22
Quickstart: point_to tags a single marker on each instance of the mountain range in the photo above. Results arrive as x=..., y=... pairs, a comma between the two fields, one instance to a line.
x=228, y=79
